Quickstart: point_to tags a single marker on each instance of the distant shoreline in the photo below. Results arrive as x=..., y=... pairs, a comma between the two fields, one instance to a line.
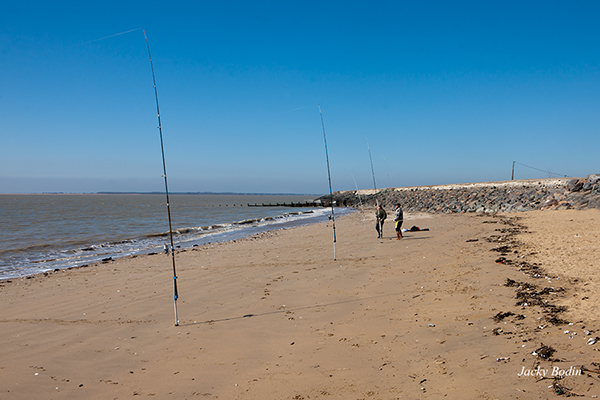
x=515, y=182
x=170, y=193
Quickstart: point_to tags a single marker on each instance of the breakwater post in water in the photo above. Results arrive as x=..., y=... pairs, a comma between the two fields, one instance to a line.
x=324, y=202
x=486, y=197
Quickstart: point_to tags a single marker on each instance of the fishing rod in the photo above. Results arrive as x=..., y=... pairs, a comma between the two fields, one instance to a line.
x=162, y=148
x=360, y=201
x=388, y=171
x=372, y=170
x=376, y=200
x=329, y=176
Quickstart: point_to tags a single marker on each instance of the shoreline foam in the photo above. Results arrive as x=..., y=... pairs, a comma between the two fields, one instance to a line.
x=17, y=262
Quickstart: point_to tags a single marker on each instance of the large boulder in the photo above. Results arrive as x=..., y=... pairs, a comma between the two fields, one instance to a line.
x=591, y=181
x=575, y=185
x=593, y=178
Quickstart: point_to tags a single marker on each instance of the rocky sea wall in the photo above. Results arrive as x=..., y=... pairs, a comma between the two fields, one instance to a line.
x=488, y=197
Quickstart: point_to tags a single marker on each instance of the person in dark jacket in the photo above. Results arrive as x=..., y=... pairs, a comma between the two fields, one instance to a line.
x=381, y=216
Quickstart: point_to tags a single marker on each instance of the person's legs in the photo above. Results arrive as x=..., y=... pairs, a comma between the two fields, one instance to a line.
x=398, y=230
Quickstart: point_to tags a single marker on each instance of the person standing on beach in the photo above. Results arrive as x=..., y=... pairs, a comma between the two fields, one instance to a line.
x=381, y=216
x=398, y=218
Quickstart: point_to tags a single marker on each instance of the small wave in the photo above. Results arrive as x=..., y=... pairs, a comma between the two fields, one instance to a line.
x=125, y=241
x=218, y=226
x=247, y=221
x=156, y=235
x=28, y=249
x=183, y=231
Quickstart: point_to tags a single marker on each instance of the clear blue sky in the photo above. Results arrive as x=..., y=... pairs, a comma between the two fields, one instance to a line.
x=445, y=92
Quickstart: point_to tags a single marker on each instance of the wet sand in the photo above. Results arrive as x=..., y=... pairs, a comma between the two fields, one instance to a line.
x=454, y=312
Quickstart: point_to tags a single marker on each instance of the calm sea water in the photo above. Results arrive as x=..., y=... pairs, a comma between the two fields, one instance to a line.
x=44, y=232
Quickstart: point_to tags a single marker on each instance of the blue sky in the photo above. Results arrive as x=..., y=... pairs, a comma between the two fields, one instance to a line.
x=445, y=92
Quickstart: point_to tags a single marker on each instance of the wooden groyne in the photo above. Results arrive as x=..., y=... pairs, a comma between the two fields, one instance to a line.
x=293, y=204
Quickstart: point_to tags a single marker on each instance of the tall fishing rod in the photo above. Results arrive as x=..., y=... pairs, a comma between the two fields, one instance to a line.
x=372, y=169
x=162, y=149
x=388, y=171
x=329, y=176
x=360, y=201
x=376, y=200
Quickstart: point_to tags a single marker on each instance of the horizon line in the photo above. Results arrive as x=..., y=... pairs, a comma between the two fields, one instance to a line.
x=162, y=193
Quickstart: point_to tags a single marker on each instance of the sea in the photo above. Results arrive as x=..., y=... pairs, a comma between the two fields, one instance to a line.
x=45, y=232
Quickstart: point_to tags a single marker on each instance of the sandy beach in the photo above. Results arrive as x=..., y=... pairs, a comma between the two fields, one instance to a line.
x=479, y=306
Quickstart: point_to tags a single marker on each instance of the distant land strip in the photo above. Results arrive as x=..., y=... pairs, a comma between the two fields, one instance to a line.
x=203, y=193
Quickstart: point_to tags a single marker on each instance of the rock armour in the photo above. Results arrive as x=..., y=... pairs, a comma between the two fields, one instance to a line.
x=491, y=197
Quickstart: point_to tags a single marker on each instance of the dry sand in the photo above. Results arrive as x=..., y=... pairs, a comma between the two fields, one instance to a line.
x=275, y=317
